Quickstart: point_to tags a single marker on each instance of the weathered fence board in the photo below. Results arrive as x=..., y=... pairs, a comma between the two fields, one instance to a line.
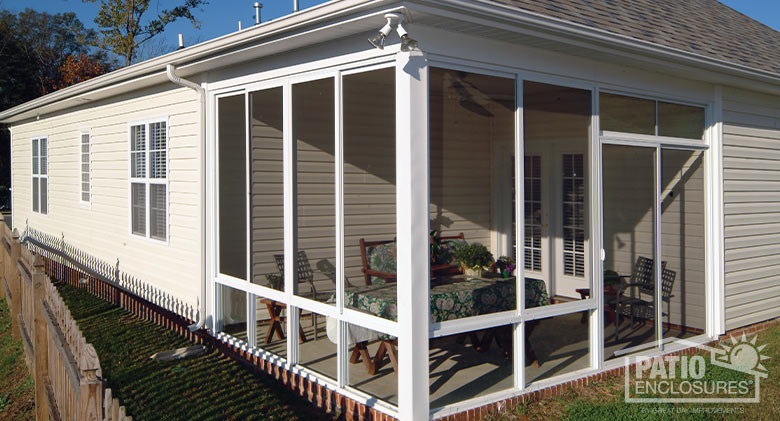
x=65, y=367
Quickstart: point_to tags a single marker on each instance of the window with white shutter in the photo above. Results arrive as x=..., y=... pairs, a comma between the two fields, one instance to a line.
x=85, y=168
x=533, y=212
x=149, y=179
x=573, y=215
x=40, y=175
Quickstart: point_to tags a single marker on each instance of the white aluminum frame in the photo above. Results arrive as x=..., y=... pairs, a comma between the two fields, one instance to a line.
x=147, y=180
x=409, y=379
x=287, y=295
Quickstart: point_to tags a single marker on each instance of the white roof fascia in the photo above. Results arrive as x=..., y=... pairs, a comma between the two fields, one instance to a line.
x=204, y=51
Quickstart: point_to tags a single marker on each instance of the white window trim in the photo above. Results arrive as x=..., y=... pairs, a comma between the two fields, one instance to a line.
x=39, y=175
x=86, y=203
x=147, y=180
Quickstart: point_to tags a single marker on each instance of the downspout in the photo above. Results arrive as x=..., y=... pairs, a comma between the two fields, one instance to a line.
x=170, y=71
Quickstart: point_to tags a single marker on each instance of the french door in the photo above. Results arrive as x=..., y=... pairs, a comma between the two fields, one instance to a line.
x=556, y=244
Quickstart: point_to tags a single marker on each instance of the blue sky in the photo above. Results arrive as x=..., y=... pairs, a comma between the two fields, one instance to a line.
x=221, y=17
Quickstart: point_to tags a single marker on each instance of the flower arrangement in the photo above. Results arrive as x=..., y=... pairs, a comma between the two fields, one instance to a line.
x=474, y=259
x=505, y=266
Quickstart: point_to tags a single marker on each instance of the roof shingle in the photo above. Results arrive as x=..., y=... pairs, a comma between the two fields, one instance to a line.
x=705, y=27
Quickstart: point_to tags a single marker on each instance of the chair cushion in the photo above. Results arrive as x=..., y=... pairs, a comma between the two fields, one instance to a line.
x=381, y=258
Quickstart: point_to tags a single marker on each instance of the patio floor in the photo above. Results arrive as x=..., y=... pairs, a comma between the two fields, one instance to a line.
x=458, y=370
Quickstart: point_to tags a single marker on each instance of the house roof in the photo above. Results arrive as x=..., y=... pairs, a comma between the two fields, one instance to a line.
x=704, y=27
x=705, y=33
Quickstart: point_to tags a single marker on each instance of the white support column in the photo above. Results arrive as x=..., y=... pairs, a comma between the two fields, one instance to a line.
x=657, y=265
x=290, y=225
x=596, y=336
x=715, y=285
x=413, y=245
x=519, y=329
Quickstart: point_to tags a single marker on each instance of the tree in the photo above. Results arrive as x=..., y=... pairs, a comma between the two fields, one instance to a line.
x=39, y=53
x=120, y=26
x=78, y=68
x=47, y=40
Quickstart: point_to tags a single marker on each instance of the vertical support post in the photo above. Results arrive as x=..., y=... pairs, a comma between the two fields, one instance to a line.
x=657, y=265
x=412, y=174
x=518, y=330
x=290, y=224
x=14, y=283
x=90, y=387
x=596, y=324
x=62, y=257
x=40, y=342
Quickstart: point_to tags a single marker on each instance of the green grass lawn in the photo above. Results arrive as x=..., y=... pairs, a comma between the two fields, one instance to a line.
x=17, y=394
x=605, y=400
x=207, y=387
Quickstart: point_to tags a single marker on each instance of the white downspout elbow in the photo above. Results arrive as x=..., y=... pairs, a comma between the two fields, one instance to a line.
x=170, y=71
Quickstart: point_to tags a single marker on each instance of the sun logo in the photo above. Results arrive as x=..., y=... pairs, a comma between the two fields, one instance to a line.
x=742, y=355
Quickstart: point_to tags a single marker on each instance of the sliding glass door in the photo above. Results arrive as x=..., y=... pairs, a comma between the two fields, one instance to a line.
x=629, y=200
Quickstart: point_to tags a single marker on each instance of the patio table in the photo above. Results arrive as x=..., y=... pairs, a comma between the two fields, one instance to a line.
x=453, y=298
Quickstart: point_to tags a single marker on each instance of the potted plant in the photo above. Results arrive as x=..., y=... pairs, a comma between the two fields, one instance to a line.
x=505, y=266
x=474, y=259
x=611, y=281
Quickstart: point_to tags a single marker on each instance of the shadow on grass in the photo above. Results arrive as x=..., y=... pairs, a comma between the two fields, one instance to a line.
x=208, y=387
x=17, y=394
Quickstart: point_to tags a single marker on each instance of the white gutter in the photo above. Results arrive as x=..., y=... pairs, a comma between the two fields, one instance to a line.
x=285, y=24
x=170, y=71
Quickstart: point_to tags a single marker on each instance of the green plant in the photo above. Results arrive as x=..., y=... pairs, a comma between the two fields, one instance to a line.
x=611, y=277
x=474, y=256
x=436, y=246
x=274, y=281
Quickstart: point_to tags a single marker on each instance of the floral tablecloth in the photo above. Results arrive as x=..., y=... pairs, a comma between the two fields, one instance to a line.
x=452, y=299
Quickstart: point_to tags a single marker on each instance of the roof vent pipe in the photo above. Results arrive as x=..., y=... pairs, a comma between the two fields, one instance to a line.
x=181, y=42
x=239, y=25
x=258, y=6
x=295, y=5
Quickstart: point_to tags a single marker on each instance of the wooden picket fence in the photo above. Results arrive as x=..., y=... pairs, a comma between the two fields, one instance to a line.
x=66, y=369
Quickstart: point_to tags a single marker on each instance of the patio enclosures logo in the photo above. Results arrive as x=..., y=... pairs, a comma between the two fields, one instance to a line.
x=732, y=373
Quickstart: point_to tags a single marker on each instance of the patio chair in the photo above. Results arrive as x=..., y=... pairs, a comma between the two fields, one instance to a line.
x=641, y=283
x=305, y=275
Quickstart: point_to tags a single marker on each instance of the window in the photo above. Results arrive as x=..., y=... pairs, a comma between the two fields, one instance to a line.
x=40, y=176
x=627, y=114
x=573, y=212
x=149, y=179
x=85, y=168
x=533, y=212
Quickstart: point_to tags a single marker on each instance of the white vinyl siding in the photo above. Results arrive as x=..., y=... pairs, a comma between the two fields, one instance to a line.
x=149, y=179
x=751, y=182
x=85, y=168
x=102, y=227
x=40, y=176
